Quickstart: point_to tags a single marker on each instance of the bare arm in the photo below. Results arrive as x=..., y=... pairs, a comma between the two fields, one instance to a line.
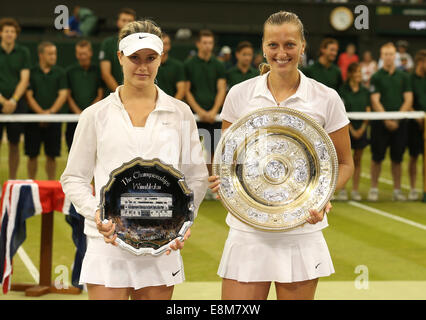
x=220, y=95
x=33, y=104
x=99, y=96
x=407, y=105
x=107, y=76
x=73, y=106
x=225, y=125
x=191, y=100
x=22, y=84
x=9, y=106
x=180, y=87
x=342, y=145
x=375, y=103
x=59, y=102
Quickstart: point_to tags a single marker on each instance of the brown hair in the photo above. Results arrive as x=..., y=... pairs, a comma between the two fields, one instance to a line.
x=204, y=33
x=420, y=56
x=351, y=69
x=84, y=43
x=242, y=45
x=43, y=45
x=128, y=11
x=278, y=19
x=11, y=23
x=147, y=26
x=325, y=43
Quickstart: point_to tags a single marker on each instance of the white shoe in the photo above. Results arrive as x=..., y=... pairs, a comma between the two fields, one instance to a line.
x=342, y=195
x=398, y=196
x=413, y=195
x=356, y=196
x=373, y=194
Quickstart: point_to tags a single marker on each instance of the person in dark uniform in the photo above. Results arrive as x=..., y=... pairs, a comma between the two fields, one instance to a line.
x=206, y=91
x=171, y=74
x=14, y=79
x=324, y=70
x=416, y=127
x=46, y=95
x=356, y=99
x=242, y=70
x=85, y=84
x=111, y=71
x=390, y=91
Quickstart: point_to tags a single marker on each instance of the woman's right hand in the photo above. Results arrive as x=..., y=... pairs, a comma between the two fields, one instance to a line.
x=215, y=184
x=106, y=229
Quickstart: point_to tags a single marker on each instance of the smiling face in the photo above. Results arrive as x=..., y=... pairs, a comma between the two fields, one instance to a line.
x=140, y=68
x=83, y=55
x=283, y=47
x=330, y=52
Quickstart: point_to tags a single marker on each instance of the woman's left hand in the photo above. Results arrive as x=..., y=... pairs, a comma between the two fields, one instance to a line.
x=317, y=216
x=179, y=244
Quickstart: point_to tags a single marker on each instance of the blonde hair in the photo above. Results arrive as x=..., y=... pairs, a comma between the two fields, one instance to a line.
x=278, y=19
x=146, y=26
x=388, y=45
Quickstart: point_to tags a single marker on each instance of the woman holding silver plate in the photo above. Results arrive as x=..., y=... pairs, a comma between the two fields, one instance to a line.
x=296, y=258
x=137, y=120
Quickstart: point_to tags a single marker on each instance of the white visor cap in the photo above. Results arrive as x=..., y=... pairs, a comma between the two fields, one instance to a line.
x=138, y=41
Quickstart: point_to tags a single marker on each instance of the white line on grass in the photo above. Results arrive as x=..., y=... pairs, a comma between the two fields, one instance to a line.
x=29, y=264
x=387, y=215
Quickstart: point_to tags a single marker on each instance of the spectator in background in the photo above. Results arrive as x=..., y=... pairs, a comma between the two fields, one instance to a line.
x=405, y=59
x=242, y=70
x=390, y=91
x=14, y=79
x=356, y=99
x=205, y=92
x=81, y=23
x=402, y=46
x=324, y=70
x=416, y=127
x=368, y=68
x=257, y=60
x=111, y=71
x=85, y=84
x=171, y=75
x=46, y=95
x=225, y=55
x=346, y=58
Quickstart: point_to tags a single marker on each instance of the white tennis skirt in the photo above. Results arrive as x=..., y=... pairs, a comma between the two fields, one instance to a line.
x=263, y=256
x=113, y=267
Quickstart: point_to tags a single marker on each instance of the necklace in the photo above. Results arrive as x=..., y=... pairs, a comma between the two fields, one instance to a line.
x=290, y=90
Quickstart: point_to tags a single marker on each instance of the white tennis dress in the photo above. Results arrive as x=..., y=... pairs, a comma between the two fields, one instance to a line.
x=299, y=254
x=104, y=139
